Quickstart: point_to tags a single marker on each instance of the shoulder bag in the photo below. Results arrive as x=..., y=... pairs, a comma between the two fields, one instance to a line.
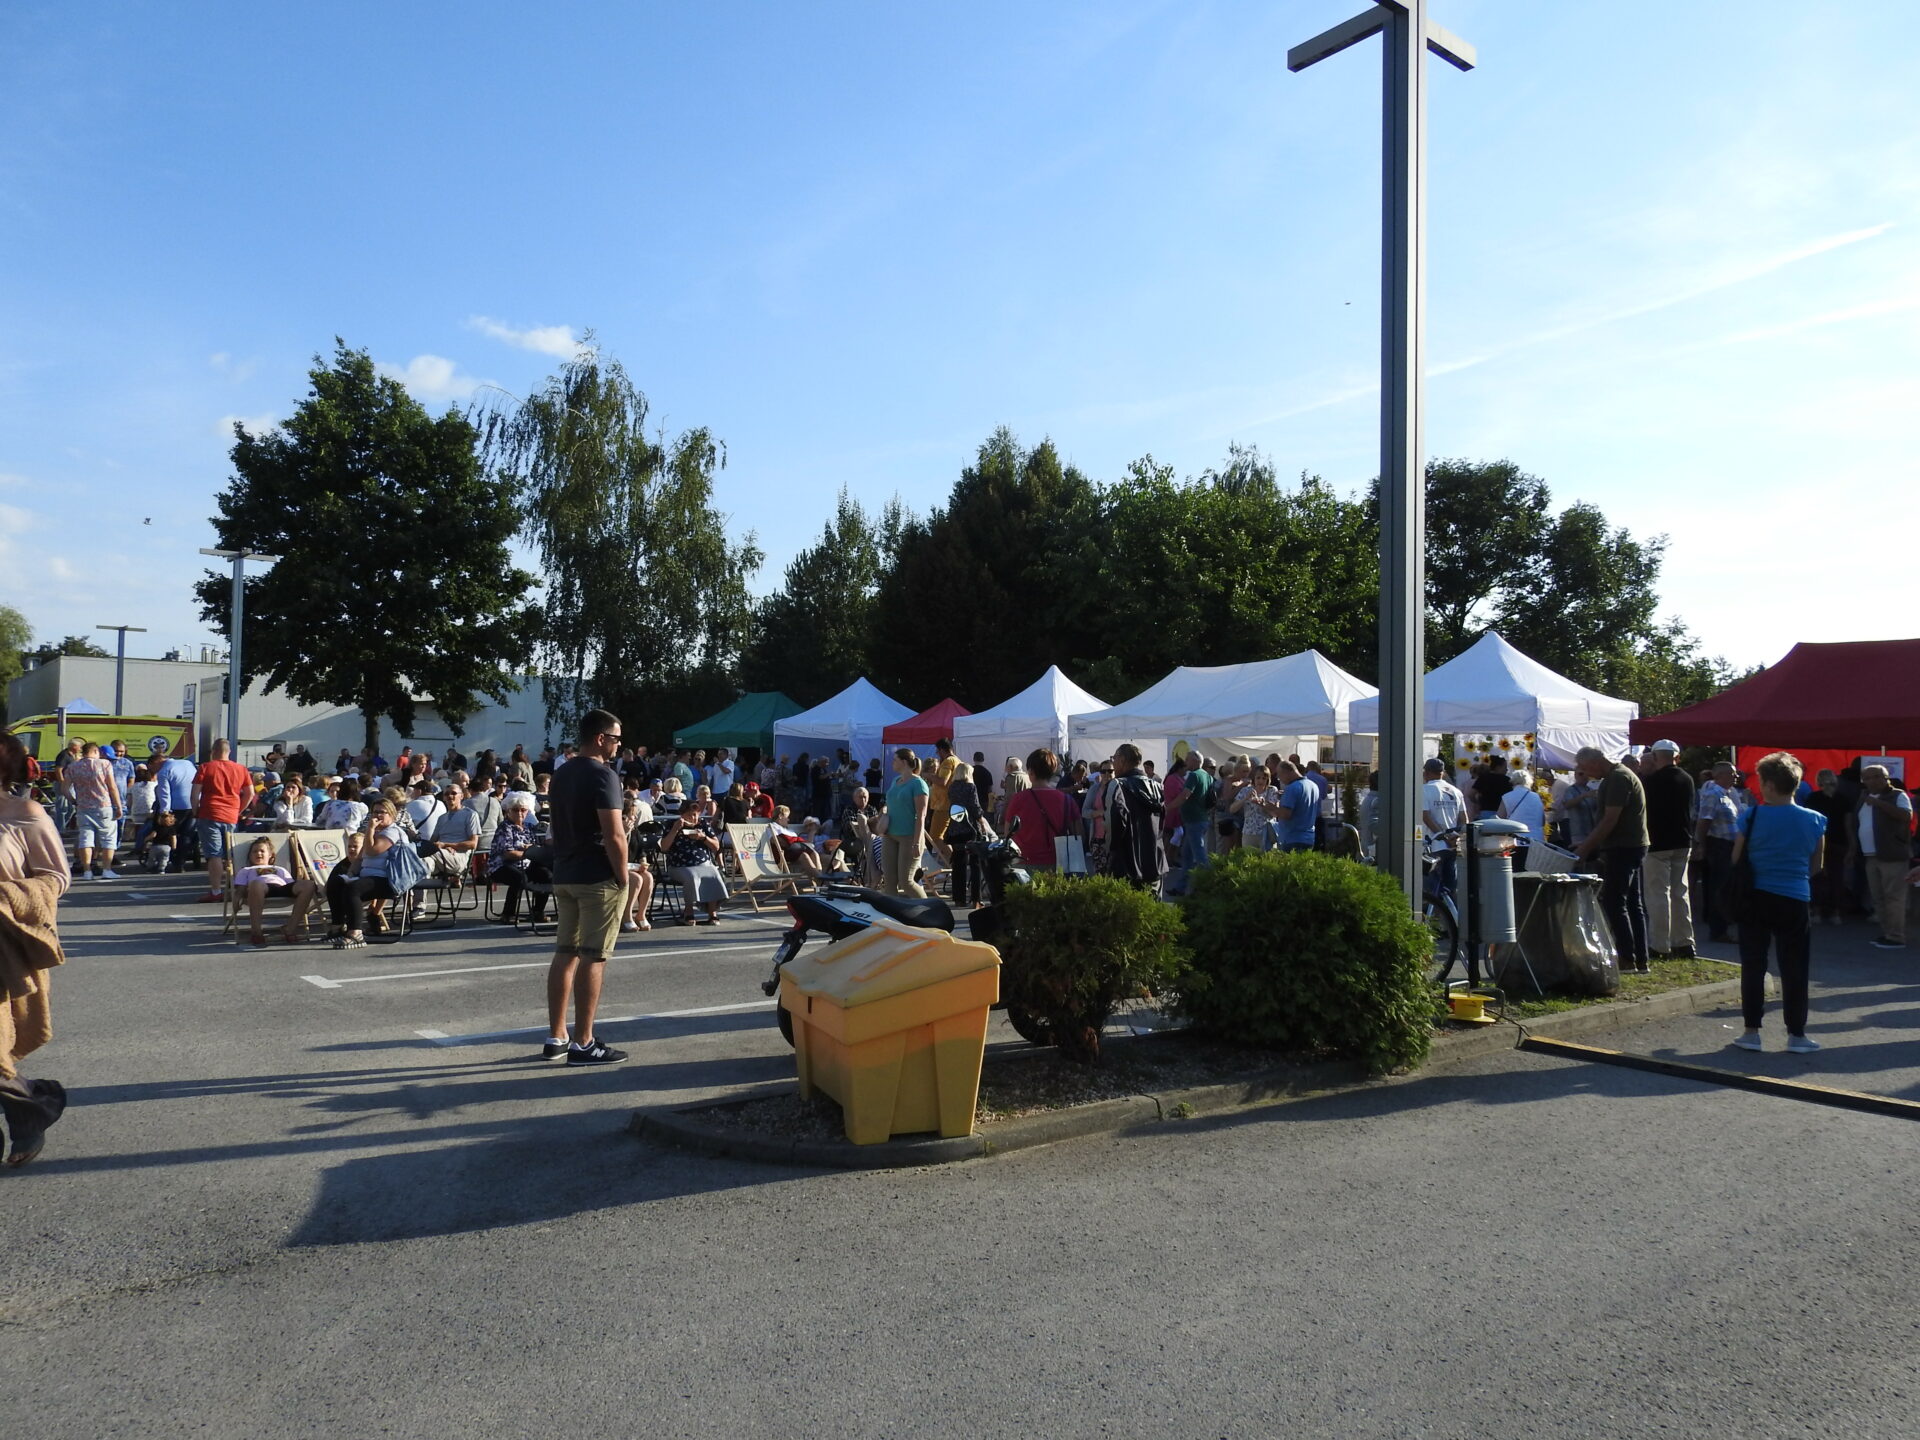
x=1740, y=885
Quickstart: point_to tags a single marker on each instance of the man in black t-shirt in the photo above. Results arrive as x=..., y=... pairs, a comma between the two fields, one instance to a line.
x=1663, y=874
x=1490, y=787
x=589, y=887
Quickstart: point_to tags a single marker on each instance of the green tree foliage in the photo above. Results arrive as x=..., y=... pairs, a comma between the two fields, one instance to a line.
x=1485, y=524
x=812, y=636
x=1228, y=567
x=15, y=636
x=78, y=645
x=394, y=580
x=1567, y=588
x=646, y=608
x=995, y=586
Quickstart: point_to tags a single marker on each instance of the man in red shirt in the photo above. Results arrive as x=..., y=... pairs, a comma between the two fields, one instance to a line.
x=221, y=791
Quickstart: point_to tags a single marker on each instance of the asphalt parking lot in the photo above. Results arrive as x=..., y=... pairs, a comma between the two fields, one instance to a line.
x=309, y=1192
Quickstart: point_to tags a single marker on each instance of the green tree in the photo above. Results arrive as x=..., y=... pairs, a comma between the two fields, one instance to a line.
x=15, y=636
x=394, y=580
x=647, y=607
x=812, y=635
x=1228, y=567
x=1487, y=522
x=987, y=591
x=70, y=645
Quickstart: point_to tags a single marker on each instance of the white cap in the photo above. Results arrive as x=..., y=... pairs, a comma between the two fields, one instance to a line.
x=1671, y=747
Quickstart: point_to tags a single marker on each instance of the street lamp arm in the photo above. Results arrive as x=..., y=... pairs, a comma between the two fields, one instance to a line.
x=1342, y=36
x=1441, y=41
x=1451, y=48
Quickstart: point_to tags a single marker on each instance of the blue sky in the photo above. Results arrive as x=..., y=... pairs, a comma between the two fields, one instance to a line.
x=1674, y=259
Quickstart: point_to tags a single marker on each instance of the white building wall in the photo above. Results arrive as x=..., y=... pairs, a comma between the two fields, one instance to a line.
x=270, y=717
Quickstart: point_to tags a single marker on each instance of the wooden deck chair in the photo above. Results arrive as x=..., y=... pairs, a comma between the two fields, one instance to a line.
x=763, y=869
x=237, y=847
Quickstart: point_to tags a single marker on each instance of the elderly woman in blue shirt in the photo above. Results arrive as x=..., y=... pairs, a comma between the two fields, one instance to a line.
x=1785, y=843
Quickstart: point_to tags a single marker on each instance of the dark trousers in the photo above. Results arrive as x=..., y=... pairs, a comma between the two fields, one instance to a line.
x=186, y=842
x=347, y=897
x=1621, y=899
x=1784, y=924
x=515, y=880
x=30, y=1107
x=1719, y=869
x=966, y=877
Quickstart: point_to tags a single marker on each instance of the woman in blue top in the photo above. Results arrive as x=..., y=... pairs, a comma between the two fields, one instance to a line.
x=906, y=825
x=1786, y=844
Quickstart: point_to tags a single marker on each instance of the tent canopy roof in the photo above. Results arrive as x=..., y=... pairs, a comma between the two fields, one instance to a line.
x=1304, y=694
x=1491, y=688
x=856, y=710
x=748, y=721
x=1861, y=694
x=1039, y=710
x=933, y=723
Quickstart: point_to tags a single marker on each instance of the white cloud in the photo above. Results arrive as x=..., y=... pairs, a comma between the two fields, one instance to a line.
x=555, y=340
x=434, y=377
x=8, y=481
x=255, y=424
x=233, y=369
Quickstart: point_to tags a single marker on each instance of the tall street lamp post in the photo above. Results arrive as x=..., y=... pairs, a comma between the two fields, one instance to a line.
x=120, y=664
x=1407, y=35
x=239, y=559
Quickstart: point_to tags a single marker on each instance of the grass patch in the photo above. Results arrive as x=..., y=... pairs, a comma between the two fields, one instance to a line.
x=1667, y=975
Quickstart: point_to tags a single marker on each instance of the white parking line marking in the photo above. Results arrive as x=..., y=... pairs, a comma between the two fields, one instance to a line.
x=326, y=984
x=440, y=1037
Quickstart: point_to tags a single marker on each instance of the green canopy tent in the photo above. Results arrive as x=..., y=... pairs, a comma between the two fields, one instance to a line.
x=745, y=724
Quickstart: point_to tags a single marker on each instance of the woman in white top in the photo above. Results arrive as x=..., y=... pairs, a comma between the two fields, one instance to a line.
x=295, y=805
x=344, y=811
x=1522, y=803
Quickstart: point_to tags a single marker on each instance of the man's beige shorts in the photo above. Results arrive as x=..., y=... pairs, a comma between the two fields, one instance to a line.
x=589, y=917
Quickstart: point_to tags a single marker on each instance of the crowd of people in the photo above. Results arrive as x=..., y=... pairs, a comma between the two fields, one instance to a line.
x=594, y=827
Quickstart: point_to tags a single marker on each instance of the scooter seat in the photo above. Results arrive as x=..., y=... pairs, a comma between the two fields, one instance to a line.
x=932, y=913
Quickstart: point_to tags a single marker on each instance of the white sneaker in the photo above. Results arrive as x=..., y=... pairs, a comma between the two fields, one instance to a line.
x=1748, y=1041
x=1802, y=1045
x=109, y=875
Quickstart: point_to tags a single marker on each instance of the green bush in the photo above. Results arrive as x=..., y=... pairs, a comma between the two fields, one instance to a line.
x=1309, y=954
x=1074, y=948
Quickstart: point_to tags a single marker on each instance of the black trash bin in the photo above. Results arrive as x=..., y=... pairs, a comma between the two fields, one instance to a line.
x=1564, y=944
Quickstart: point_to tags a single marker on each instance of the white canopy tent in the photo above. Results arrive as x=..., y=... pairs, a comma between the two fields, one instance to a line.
x=1035, y=719
x=851, y=721
x=1249, y=708
x=1493, y=689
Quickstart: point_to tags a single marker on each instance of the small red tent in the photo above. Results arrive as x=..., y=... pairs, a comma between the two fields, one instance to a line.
x=935, y=723
x=1861, y=695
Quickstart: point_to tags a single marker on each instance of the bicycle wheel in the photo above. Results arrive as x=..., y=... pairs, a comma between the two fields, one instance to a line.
x=1444, y=922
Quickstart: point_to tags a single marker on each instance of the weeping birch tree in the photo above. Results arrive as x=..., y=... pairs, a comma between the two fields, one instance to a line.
x=646, y=603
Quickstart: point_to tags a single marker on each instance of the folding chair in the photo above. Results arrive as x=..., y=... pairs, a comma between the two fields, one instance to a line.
x=763, y=869
x=284, y=855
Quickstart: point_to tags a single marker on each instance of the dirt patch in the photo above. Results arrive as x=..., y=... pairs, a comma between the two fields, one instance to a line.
x=1015, y=1082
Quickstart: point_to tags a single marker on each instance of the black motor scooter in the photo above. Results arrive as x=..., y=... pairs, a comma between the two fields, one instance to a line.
x=838, y=911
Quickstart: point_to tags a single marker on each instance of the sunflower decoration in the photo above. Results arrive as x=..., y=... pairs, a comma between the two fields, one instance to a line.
x=1529, y=739
x=1505, y=744
x=1464, y=763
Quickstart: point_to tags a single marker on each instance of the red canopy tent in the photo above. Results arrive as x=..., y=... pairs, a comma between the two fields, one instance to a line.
x=934, y=723
x=1823, y=702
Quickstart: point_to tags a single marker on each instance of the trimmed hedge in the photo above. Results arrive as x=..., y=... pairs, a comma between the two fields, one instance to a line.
x=1310, y=954
x=1073, y=948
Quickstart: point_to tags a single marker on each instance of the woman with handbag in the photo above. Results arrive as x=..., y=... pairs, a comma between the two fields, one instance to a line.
x=1777, y=851
x=692, y=843
x=348, y=894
